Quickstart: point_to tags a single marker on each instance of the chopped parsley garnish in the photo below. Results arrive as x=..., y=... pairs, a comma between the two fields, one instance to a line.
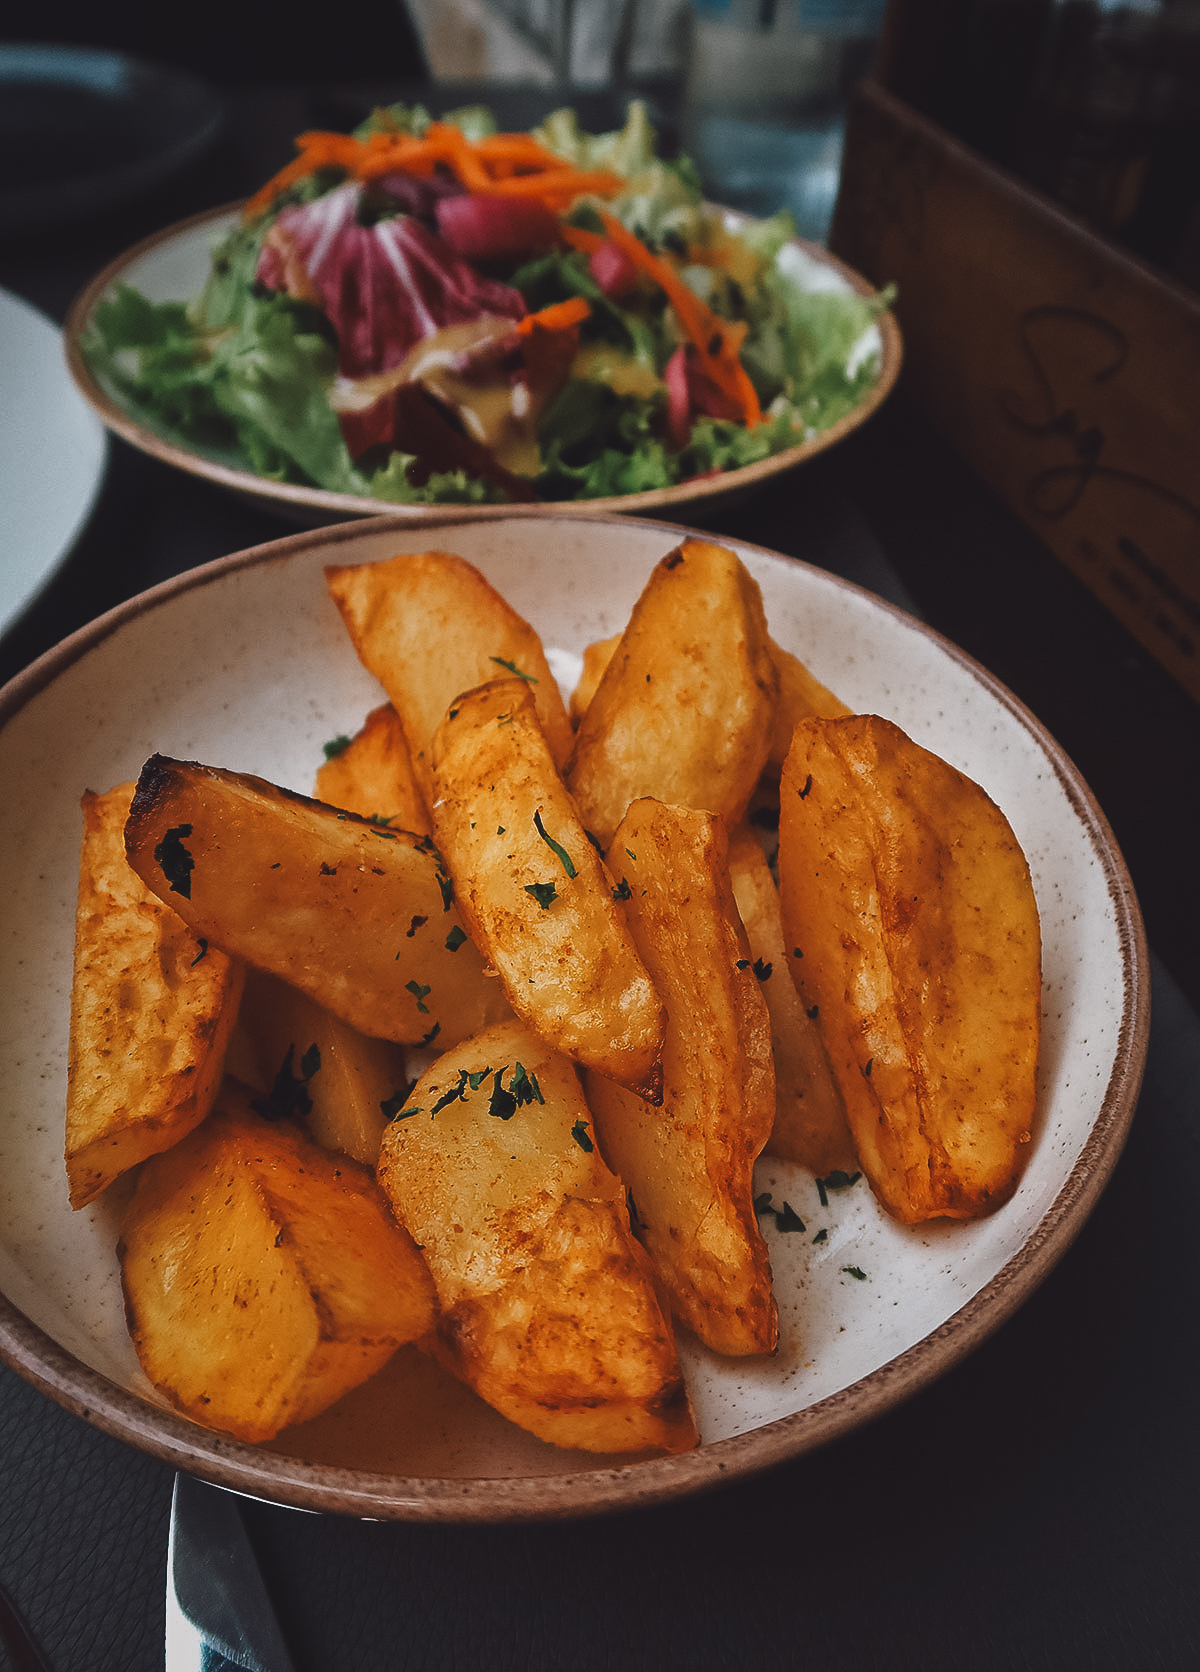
x=455, y=938
x=762, y=969
x=452, y=1096
x=568, y=864
x=391, y=1106
x=622, y=891
x=822, y=1235
x=856, y=1272
x=328, y=870
x=288, y=1096
x=336, y=746
x=502, y=1104
x=631, y=854
x=446, y=883
x=428, y=1038
x=500, y=829
x=813, y=1012
x=837, y=1180
x=580, y=1134
x=525, y=1087
x=803, y=794
x=544, y=893
x=416, y=924
x=175, y=861
x=867, y=1069
x=529, y=678
x=786, y=1218
x=420, y=993
x=476, y=1077
x=203, y=952
x=742, y=964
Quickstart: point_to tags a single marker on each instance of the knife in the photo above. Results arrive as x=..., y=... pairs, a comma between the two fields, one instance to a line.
x=217, y=1581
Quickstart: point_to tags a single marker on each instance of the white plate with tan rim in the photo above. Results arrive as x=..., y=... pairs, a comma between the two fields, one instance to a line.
x=245, y=664
x=172, y=266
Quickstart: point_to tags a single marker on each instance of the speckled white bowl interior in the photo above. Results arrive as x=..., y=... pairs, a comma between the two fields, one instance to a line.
x=245, y=664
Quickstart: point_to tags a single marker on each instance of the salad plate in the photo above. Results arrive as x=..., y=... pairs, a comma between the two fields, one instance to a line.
x=245, y=664
x=177, y=266
x=53, y=452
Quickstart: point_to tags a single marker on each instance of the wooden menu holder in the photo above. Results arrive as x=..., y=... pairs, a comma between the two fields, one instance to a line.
x=1065, y=372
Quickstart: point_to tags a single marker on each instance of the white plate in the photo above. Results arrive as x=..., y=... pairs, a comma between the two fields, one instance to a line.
x=173, y=265
x=53, y=452
x=245, y=664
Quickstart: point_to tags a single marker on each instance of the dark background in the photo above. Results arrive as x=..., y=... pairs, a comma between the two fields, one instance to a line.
x=1034, y=1509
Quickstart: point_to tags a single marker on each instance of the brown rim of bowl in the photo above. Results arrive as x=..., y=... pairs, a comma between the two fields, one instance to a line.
x=182, y=1444
x=337, y=505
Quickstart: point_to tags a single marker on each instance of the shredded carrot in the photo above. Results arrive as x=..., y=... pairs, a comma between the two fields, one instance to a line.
x=716, y=341
x=508, y=165
x=580, y=238
x=559, y=316
x=560, y=184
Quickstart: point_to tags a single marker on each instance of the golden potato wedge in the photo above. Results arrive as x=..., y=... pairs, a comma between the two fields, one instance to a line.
x=429, y=626
x=689, y=1165
x=264, y=1277
x=152, y=1008
x=801, y=694
x=548, y=1305
x=684, y=709
x=810, y=1117
x=359, y=916
x=533, y=890
x=801, y=697
x=596, y=658
x=307, y=1065
x=912, y=926
x=372, y=774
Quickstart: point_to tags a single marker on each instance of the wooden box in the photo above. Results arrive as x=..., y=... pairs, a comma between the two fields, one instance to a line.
x=1065, y=372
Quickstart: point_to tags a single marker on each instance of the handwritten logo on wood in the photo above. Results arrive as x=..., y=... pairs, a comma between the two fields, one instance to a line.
x=1135, y=531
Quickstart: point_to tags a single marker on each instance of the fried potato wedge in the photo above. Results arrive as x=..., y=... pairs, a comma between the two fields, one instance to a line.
x=359, y=916
x=535, y=893
x=152, y=1008
x=810, y=1116
x=373, y=775
x=429, y=626
x=685, y=707
x=689, y=1164
x=596, y=658
x=801, y=697
x=801, y=694
x=548, y=1304
x=912, y=926
x=306, y=1064
x=264, y=1277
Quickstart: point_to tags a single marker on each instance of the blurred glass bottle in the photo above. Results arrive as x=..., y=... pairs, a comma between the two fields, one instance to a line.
x=765, y=90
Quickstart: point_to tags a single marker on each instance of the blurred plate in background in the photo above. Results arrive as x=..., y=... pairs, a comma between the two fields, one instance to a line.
x=52, y=455
x=82, y=131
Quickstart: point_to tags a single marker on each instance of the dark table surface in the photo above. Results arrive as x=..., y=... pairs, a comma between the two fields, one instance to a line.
x=1039, y=1506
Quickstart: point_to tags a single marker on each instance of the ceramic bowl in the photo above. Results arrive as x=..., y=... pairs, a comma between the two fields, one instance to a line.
x=173, y=265
x=245, y=664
